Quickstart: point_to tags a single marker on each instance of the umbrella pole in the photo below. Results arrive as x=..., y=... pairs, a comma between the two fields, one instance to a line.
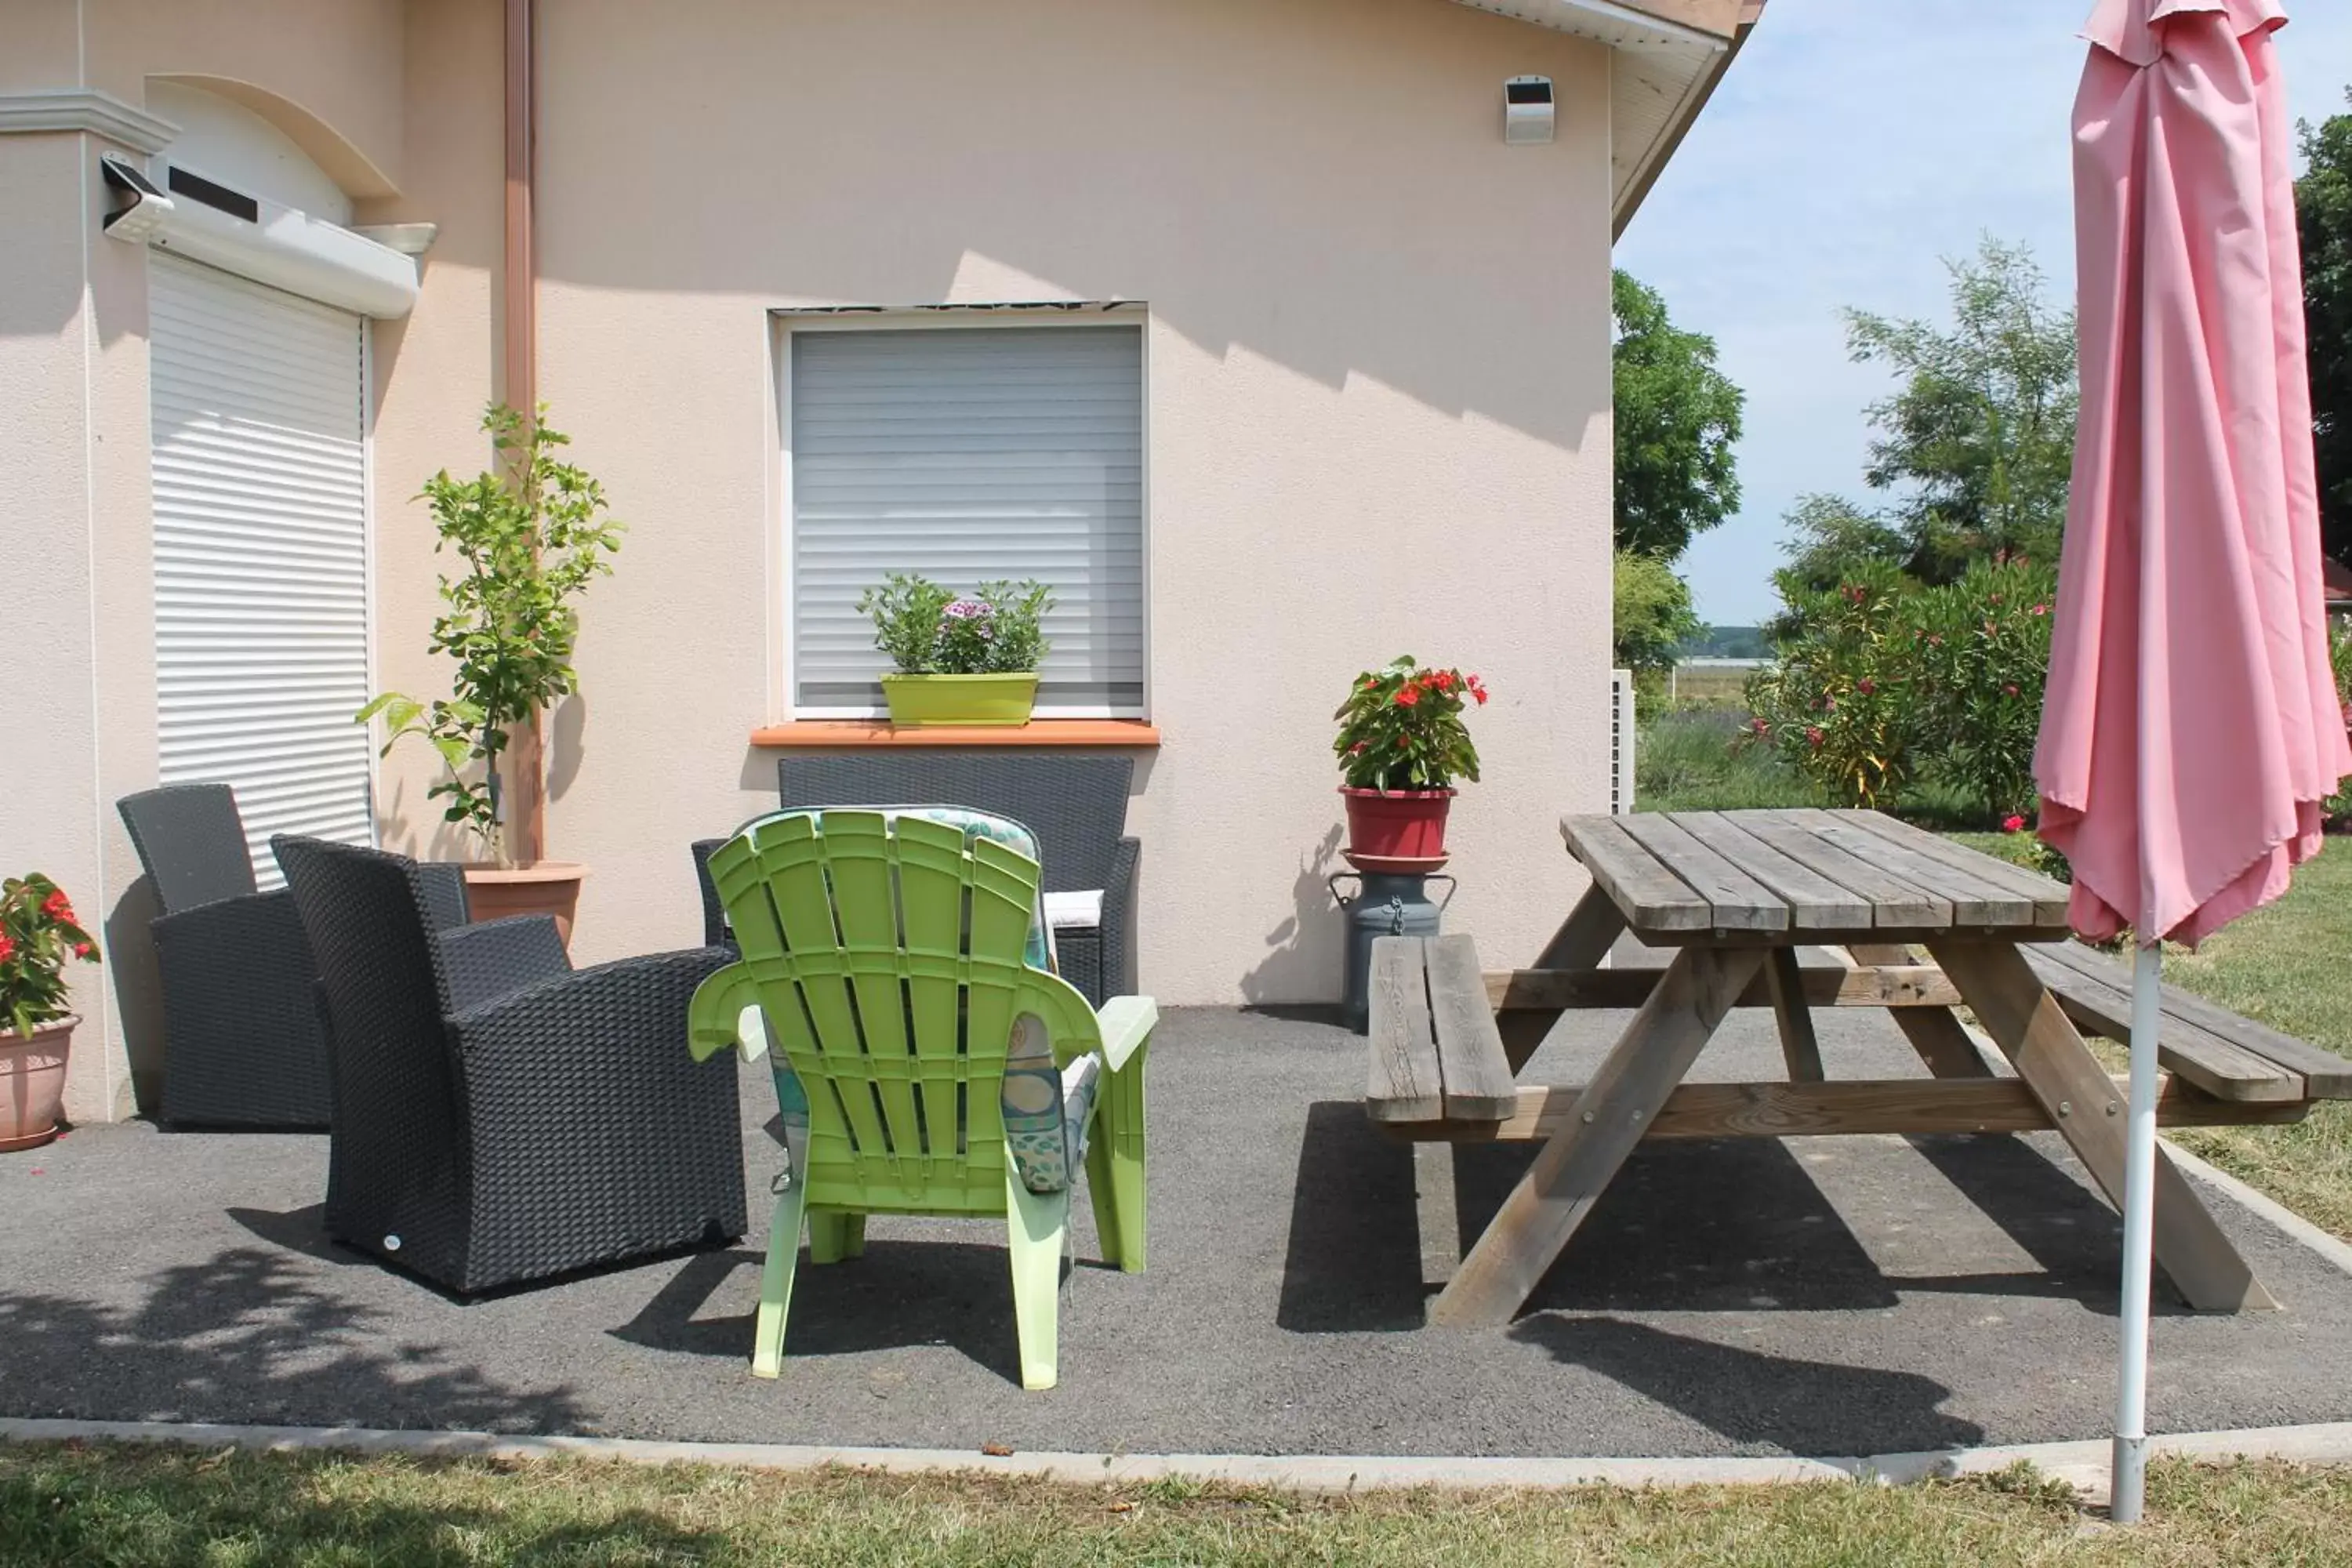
x=2127, y=1477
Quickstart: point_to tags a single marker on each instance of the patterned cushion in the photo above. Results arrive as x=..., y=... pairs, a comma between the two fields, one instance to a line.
x=1044, y=1111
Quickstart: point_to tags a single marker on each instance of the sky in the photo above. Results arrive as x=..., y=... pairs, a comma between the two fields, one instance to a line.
x=1852, y=148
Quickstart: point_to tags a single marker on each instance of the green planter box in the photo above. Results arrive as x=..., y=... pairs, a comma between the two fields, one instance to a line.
x=933, y=700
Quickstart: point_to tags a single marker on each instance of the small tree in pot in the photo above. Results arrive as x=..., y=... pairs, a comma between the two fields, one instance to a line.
x=1401, y=745
x=38, y=937
x=532, y=532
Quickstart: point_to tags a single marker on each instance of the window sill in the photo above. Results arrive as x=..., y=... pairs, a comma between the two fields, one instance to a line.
x=842, y=733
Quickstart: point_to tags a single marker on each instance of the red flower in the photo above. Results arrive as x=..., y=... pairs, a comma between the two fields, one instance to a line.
x=2038, y=610
x=57, y=906
x=1477, y=690
x=7, y=947
x=2009, y=690
x=1758, y=725
x=1813, y=735
x=1407, y=695
x=1358, y=747
x=82, y=950
x=1372, y=682
x=1442, y=678
x=1866, y=686
x=2012, y=825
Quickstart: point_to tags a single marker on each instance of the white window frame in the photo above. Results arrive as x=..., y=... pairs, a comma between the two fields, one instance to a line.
x=784, y=323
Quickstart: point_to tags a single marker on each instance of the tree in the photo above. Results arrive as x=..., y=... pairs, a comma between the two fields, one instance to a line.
x=1653, y=612
x=1677, y=420
x=2323, y=201
x=1976, y=446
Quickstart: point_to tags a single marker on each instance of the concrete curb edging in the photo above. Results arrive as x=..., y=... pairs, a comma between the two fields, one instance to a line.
x=2083, y=1464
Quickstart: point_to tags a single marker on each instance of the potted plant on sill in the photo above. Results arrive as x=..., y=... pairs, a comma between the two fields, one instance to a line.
x=38, y=937
x=959, y=659
x=1401, y=745
x=532, y=532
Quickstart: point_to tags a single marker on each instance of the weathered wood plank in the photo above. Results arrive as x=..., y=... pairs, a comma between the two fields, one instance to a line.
x=1892, y=901
x=1903, y=986
x=1470, y=1058
x=1976, y=903
x=1588, y=934
x=1740, y=902
x=1908, y=1106
x=1576, y=1164
x=2026, y=1022
x=1815, y=902
x=1936, y=1034
x=1799, y=1046
x=1651, y=898
x=2091, y=995
x=1405, y=1083
x=2048, y=895
x=2325, y=1075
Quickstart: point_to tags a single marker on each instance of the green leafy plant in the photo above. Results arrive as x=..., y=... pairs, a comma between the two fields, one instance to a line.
x=38, y=937
x=1834, y=705
x=1401, y=728
x=1979, y=651
x=532, y=532
x=2337, y=807
x=998, y=629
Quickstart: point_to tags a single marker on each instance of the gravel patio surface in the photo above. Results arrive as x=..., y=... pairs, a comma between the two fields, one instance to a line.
x=1825, y=1295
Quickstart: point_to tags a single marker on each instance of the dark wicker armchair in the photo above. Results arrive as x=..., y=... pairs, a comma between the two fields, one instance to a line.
x=1077, y=805
x=501, y=1117
x=241, y=1041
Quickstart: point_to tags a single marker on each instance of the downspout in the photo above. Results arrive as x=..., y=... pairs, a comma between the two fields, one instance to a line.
x=525, y=840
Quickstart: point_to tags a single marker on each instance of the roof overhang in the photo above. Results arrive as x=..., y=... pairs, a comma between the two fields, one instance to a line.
x=1665, y=57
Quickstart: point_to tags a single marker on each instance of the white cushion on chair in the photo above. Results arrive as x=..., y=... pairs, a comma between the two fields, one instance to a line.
x=1074, y=908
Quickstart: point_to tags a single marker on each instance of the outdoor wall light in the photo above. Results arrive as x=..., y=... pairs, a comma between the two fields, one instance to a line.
x=1527, y=110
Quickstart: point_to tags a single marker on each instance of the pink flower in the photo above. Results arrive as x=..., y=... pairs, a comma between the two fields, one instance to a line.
x=2038, y=610
x=1812, y=736
x=2013, y=824
x=1866, y=686
x=7, y=947
x=82, y=950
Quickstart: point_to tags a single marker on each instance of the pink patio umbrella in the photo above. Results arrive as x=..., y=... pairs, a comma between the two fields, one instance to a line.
x=2191, y=727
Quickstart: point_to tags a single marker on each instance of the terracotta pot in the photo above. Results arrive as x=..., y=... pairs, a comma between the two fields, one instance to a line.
x=33, y=1083
x=539, y=888
x=1397, y=829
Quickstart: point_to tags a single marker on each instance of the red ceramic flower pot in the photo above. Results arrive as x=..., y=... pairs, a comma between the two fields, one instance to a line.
x=1397, y=829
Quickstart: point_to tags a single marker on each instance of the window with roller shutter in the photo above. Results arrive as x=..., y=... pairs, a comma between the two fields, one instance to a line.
x=261, y=575
x=967, y=454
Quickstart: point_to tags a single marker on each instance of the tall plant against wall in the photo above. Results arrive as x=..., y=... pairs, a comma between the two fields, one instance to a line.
x=531, y=533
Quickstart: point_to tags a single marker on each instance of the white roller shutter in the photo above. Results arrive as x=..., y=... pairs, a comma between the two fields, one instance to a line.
x=967, y=454
x=261, y=632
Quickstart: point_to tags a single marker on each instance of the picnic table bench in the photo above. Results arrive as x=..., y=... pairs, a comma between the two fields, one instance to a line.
x=1735, y=895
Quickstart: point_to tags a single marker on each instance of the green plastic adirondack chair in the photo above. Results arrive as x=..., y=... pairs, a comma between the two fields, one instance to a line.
x=884, y=953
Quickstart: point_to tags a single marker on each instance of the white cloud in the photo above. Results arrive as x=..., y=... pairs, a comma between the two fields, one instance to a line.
x=1852, y=146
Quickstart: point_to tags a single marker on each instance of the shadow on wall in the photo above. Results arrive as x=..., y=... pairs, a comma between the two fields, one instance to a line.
x=1302, y=960
x=130, y=943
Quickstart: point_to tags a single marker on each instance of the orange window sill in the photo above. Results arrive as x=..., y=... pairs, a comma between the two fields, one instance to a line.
x=853, y=732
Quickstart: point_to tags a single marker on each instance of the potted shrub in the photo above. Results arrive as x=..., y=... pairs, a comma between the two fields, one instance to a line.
x=531, y=535
x=1401, y=745
x=38, y=937
x=959, y=659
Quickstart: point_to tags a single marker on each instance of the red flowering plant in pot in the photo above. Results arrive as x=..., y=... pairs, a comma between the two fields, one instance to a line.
x=1401, y=746
x=38, y=937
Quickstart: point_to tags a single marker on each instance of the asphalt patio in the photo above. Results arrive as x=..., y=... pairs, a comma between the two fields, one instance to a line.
x=1825, y=1296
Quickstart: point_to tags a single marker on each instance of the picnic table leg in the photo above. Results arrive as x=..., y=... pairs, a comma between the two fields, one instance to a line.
x=1936, y=1033
x=1799, y=1046
x=1583, y=940
x=2084, y=1104
x=1577, y=1162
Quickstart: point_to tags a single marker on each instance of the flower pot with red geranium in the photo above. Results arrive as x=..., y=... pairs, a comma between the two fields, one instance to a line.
x=1401, y=746
x=38, y=937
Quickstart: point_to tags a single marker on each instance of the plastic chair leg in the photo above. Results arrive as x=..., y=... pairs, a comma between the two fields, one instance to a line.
x=1037, y=1224
x=776, y=1282
x=835, y=1234
x=1118, y=1138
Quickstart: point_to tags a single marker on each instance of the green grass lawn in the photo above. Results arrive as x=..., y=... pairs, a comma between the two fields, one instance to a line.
x=129, y=1508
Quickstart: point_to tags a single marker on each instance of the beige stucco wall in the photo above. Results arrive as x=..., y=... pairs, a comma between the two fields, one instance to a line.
x=76, y=538
x=1378, y=347
x=1377, y=410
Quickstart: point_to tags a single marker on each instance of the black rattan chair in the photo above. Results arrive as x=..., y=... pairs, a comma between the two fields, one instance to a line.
x=241, y=1041
x=1076, y=805
x=500, y=1116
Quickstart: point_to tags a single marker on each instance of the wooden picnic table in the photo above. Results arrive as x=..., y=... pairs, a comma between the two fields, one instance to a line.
x=1735, y=895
